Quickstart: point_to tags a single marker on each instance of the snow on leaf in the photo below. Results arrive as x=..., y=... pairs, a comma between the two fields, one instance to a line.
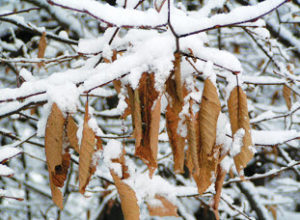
x=161, y=208
x=238, y=113
x=129, y=204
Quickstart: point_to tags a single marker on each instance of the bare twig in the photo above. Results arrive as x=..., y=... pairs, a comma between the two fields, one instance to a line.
x=271, y=173
x=34, y=30
x=18, y=12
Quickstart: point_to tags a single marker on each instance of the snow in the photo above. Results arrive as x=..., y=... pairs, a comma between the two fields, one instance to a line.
x=237, y=142
x=6, y=171
x=146, y=188
x=116, y=16
x=273, y=137
x=227, y=163
x=8, y=152
x=238, y=15
x=65, y=96
x=113, y=150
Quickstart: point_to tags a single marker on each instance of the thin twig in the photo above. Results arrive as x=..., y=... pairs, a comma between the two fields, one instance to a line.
x=271, y=173
x=18, y=12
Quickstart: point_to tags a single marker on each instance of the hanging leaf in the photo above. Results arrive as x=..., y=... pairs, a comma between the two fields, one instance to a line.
x=177, y=75
x=207, y=121
x=136, y=114
x=42, y=48
x=145, y=104
x=238, y=113
x=177, y=142
x=218, y=187
x=87, y=150
x=192, y=140
x=72, y=133
x=129, y=204
x=287, y=95
x=166, y=208
x=53, y=148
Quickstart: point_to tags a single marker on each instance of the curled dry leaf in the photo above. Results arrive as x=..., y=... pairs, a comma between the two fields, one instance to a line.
x=238, y=113
x=177, y=142
x=42, y=48
x=53, y=148
x=86, y=152
x=145, y=104
x=207, y=125
x=166, y=208
x=129, y=204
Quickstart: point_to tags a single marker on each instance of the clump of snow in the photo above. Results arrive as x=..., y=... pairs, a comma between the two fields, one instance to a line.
x=122, y=104
x=26, y=75
x=41, y=125
x=209, y=73
x=146, y=188
x=66, y=96
x=113, y=150
x=6, y=171
x=273, y=137
x=8, y=152
x=237, y=142
x=227, y=163
x=94, y=126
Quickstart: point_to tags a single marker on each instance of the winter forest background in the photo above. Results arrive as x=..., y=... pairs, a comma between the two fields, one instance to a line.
x=141, y=109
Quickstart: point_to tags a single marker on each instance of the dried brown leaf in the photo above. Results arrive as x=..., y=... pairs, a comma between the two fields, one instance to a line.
x=238, y=113
x=87, y=150
x=207, y=121
x=287, y=95
x=177, y=142
x=192, y=140
x=42, y=48
x=129, y=204
x=218, y=187
x=72, y=133
x=146, y=119
x=177, y=74
x=166, y=209
x=61, y=171
x=53, y=148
